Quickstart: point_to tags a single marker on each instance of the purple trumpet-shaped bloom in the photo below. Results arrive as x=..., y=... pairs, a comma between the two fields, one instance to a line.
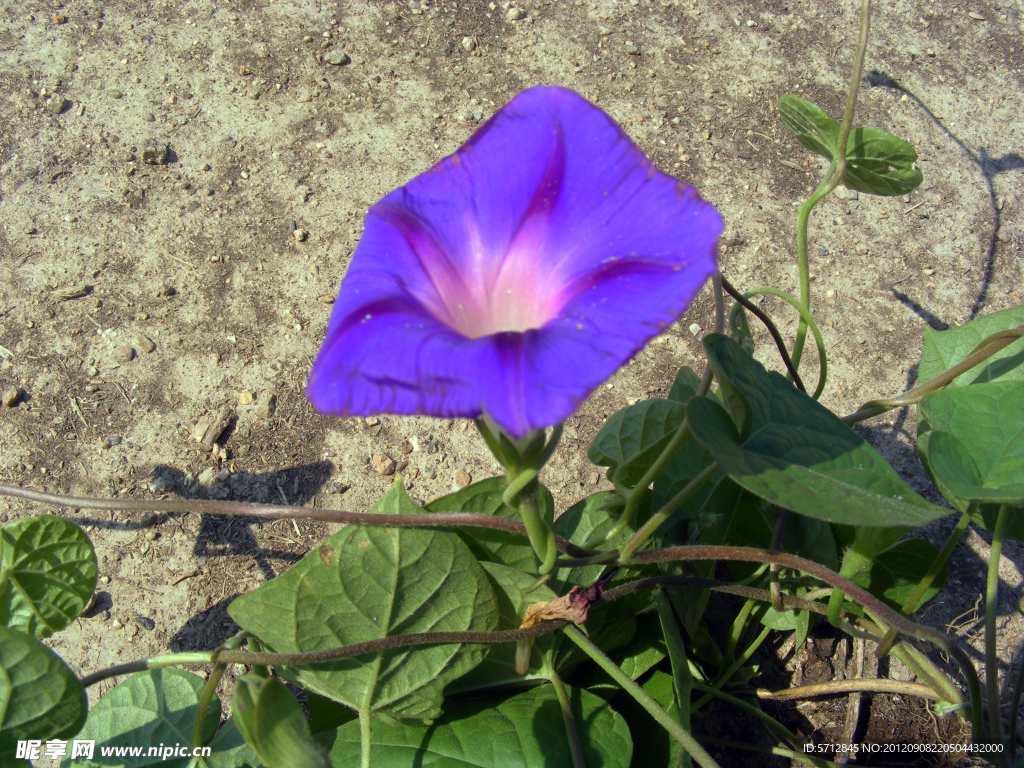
x=516, y=275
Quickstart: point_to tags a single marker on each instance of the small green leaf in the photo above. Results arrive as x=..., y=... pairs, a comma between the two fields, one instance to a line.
x=944, y=349
x=814, y=129
x=40, y=698
x=878, y=163
x=799, y=455
x=896, y=572
x=588, y=518
x=148, y=709
x=524, y=730
x=487, y=544
x=367, y=583
x=47, y=574
x=273, y=724
x=633, y=437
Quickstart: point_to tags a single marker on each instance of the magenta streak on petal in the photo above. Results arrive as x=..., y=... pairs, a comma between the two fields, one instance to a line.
x=433, y=259
x=625, y=267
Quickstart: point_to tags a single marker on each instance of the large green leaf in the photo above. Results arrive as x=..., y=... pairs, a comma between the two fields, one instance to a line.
x=972, y=441
x=516, y=591
x=632, y=438
x=877, y=163
x=799, y=455
x=485, y=543
x=40, y=698
x=47, y=574
x=151, y=709
x=272, y=723
x=944, y=349
x=367, y=583
x=524, y=730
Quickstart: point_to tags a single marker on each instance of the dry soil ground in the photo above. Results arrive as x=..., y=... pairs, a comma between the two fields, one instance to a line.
x=136, y=297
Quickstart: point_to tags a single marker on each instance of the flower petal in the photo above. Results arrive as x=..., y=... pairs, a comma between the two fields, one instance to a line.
x=515, y=275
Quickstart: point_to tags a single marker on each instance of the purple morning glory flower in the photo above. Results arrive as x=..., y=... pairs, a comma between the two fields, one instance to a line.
x=516, y=275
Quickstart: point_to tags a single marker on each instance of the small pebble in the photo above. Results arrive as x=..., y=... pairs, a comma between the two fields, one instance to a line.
x=124, y=353
x=861, y=249
x=149, y=519
x=104, y=580
x=337, y=58
x=372, y=421
x=595, y=478
x=145, y=622
x=152, y=535
x=469, y=44
x=300, y=235
x=631, y=49
x=116, y=624
x=694, y=329
x=110, y=441
x=383, y=464
x=10, y=397
x=155, y=153
x=207, y=476
x=515, y=14
x=245, y=398
x=160, y=485
x=462, y=478
x=928, y=272
x=266, y=408
x=145, y=343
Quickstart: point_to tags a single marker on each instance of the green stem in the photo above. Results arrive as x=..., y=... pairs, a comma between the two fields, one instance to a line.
x=575, y=746
x=155, y=662
x=365, y=739
x=677, y=658
x=914, y=601
x=210, y=689
x=1011, y=728
x=655, y=710
x=808, y=320
x=659, y=517
x=757, y=712
x=726, y=676
x=832, y=179
x=995, y=722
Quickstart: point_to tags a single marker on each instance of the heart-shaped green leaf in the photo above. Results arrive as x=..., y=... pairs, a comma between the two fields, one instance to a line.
x=47, y=574
x=151, y=709
x=40, y=698
x=944, y=349
x=633, y=437
x=799, y=455
x=367, y=583
x=273, y=724
x=485, y=543
x=524, y=730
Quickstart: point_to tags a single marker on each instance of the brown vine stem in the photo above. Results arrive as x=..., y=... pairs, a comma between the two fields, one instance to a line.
x=277, y=512
x=985, y=349
x=839, y=687
x=872, y=604
x=220, y=656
